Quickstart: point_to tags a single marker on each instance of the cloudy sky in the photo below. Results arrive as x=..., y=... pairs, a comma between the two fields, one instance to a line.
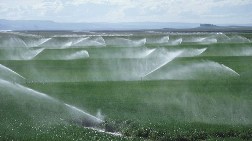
x=190, y=11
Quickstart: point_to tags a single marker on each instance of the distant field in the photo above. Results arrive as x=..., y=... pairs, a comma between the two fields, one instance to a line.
x=125, y=86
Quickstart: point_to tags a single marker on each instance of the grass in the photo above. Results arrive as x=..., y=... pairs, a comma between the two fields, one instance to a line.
x=208, y=107
x=128, y=113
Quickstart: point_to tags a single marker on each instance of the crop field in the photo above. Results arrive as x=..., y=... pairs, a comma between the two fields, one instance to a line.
x=125, y=86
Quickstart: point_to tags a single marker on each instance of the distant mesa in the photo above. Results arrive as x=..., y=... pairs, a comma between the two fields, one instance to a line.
x=208, y=25
x=37, y=25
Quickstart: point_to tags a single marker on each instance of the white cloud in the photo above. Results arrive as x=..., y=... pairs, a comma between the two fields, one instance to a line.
x=78, y=2
x=122, y=10
x=48, y=6
x=16, y=9
x=111, y=2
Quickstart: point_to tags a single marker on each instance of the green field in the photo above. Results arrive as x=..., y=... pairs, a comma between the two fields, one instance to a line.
x=139, y=86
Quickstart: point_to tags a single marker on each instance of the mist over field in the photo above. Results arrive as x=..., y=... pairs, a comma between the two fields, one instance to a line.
x=111, y=83
x=167, y=70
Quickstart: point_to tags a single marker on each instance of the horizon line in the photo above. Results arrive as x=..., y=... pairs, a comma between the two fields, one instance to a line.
x=131, y=22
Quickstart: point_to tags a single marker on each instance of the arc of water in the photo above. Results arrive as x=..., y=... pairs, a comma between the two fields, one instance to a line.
x=48, y=97
x=142, y=41
x=87, y=114
x=67, y=44
x=173, y=56
x=103, y=131
x=80, y=40
x=103, y=42
x=42, y=41
x=149, y=52
x=10, y=70
x=32, y=54
x=202, y=50
x=226, y=67
x=33, y=92
x=192, y=52
x=78, y=55
x=21, y=41
x=176, y=42
x=164, y=39
x=30, y=91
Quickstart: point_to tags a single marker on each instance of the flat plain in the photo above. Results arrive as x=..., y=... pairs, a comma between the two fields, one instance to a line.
x=125, y=86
